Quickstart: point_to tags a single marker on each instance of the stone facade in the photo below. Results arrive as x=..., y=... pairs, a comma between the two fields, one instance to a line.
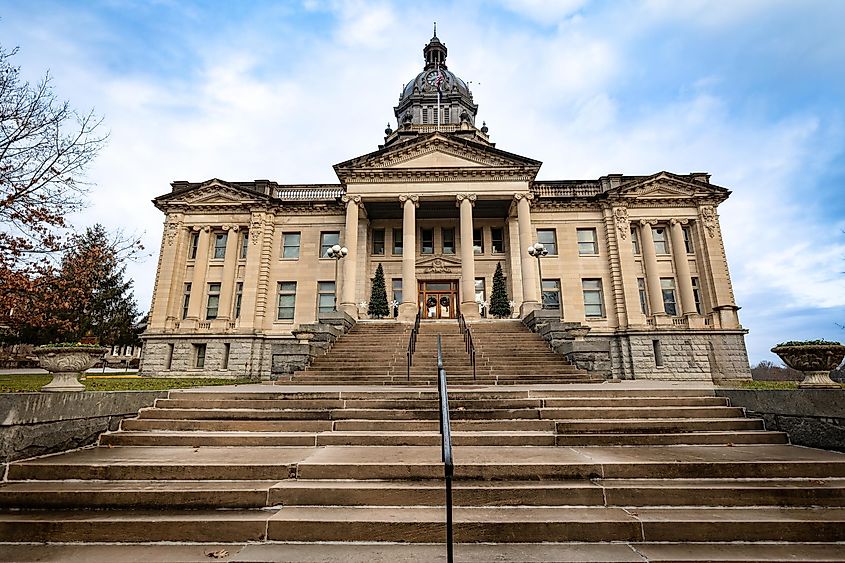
x=636, y=259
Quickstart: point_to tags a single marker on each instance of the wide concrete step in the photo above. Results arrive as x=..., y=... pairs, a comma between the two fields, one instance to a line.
x=655, y=425
x=556, y=524
x=187, y=425
x=727, y=438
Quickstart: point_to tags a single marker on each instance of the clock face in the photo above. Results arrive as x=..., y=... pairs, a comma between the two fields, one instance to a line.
x=431, y=78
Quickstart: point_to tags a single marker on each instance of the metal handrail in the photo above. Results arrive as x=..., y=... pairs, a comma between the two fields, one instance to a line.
x=446, y=447
x=470, y=345
x=412, y=344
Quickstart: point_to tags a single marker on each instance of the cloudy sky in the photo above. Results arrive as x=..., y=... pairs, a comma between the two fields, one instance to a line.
x=750, y=91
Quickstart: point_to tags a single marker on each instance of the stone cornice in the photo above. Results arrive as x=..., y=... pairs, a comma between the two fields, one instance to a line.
x=436, y=175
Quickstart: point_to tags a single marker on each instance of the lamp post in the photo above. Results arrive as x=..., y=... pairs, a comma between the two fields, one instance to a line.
x=538, y=251
x=336, y=252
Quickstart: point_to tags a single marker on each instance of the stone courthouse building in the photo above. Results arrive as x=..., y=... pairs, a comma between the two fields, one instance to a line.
x=637, y=259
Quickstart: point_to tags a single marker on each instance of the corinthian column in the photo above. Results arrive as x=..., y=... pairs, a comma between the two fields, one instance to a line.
x=350, y=266
x=682, y=271
x=468, y=307
x=408, y=308
x=526, y=236
x=652, y=275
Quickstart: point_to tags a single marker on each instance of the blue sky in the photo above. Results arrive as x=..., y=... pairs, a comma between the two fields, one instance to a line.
x=750, y=91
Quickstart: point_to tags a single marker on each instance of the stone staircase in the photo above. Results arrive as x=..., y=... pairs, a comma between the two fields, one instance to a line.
x=374, y=353
x=576, y=472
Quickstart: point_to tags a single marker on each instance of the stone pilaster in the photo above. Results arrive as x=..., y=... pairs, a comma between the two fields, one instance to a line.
x=264, y=291
x=230, y=266
x=682, y=271
x=172, y=241
x=717, y=264
x=253, y=262
x=530, y=299
x=350, y=241
x=468, y=307
x=408, y=308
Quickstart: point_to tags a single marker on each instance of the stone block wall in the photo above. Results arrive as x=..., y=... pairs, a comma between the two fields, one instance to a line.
x=248, y=357
x=811, y=417
x=35, y=424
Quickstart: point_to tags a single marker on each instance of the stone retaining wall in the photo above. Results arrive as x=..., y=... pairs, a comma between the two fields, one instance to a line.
x=811, y=417
x=33, y=424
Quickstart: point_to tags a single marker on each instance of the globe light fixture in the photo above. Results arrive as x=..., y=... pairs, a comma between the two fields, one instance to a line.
x=336, y=252
x=538, y=251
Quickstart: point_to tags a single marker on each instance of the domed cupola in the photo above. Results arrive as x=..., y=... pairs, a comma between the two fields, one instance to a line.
x=436, y=99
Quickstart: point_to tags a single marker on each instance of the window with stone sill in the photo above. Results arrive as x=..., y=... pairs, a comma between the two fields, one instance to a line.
x=548, y=238
x=696, y=294
x=667, y=287
x=327, y=240
x=497, y=239
x=551, y=294
x=220, y=245
x=688, y=240
x=194, y=245
x=587, y=242
x=643, y=295
x=593, y=298
x=397, y=242
x=426, y=241
x=199, y=355
x=448, y=240
x=635, y=240
x=186, y=300
x=478, y=241
x=239, y=293
x=325, y=297
x=213, y=303
x=661, y=245
x=286, y=301
x=290, y=245
x=244, y=244
x=378, y=242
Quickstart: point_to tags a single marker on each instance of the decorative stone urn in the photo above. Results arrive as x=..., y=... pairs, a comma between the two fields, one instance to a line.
x=66, y=363
x=814, y=359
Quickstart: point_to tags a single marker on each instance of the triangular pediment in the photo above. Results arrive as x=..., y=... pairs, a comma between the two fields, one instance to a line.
x=435, y=152
x=665, y=185
x=211, y=193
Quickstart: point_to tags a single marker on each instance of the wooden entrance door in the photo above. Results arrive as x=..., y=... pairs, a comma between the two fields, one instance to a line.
x=438, y=299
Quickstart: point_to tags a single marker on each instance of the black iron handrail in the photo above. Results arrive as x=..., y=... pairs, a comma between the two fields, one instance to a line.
x=446, y=446
x=470, y=345
x=412, y=344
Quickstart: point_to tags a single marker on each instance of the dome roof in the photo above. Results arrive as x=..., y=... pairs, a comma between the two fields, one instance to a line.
x=425, y=85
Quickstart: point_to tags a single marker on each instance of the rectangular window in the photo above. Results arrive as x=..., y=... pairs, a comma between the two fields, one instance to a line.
x=290, y=245
x=635, y=240
x=478, y=241
x=688, y=240
x=325, y=297
x=397, y=294
x=593, y=298
x=378, y=242
x=425, y=115
x=195, y=241
x=397, y=242
x=220, y=245
x=587, y=242
x=328, y=240
x=551, y=294
x=480, y=296
x=186, y=300
x=199, y=355
x=548, y=239
x=448, y=241
x=446, y=115
x=287, y=301
x=427, y=241
x=658, y=354
x=226, y=349
x=168, y=361
x=244, y=244
x=667, y=286
x=497, y=238
x=436, y=115
x=696, y=294
x=239, y=294
x=660, y=244
x=643, y=296
x=213, y=301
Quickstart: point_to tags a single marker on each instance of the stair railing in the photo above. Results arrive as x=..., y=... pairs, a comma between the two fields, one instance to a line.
x=446, y=447
x=412, y=344
x=470, y=345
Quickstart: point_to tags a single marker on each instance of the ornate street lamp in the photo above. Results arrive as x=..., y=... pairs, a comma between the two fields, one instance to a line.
x=336, y=252
x=538, y=251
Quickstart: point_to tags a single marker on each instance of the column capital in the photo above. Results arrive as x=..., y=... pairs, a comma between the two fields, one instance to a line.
x=647, y=222
x=674, y=222
x=623, y=223
x=234, y=228
x=172, y=228
x=198, y=228
x=708, y=218
x=461, y=197
x=414, y=198
x=353, y=199
x=528, y=196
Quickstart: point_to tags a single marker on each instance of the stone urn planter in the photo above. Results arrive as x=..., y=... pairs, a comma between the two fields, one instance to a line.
x=815, y=359
x=66, y=363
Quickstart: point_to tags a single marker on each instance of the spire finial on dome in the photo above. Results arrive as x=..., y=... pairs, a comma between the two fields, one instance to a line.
x=435, y=29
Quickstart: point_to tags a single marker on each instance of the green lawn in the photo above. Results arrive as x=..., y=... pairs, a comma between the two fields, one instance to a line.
x=764, y=385
x=27, y=383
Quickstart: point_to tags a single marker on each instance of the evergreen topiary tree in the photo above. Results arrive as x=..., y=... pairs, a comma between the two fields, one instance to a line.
x=378, y=297
x=499, y=305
